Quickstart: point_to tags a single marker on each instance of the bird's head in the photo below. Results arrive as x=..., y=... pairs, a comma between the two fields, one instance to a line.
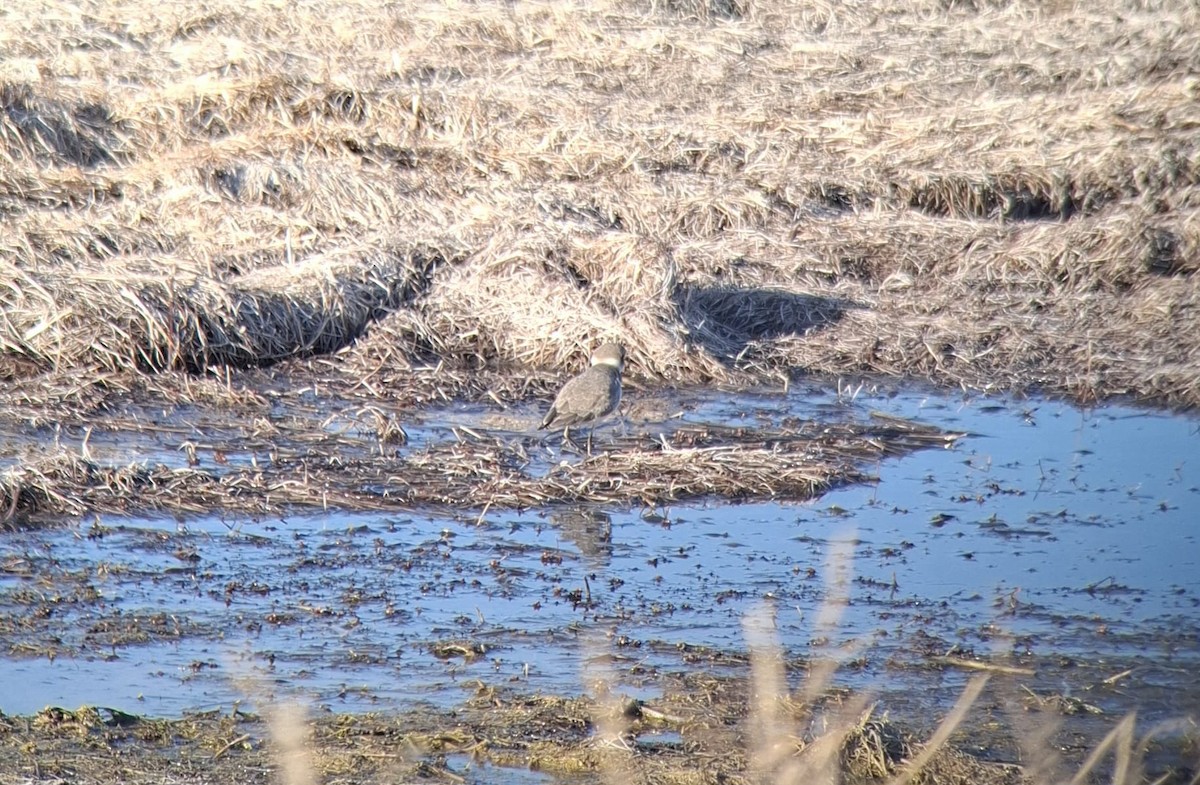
x=611, y=354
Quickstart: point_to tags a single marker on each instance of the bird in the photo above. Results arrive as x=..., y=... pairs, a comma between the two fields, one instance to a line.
x=591, y=395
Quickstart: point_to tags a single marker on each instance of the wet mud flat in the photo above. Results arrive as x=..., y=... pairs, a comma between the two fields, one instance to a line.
x=1045, y=546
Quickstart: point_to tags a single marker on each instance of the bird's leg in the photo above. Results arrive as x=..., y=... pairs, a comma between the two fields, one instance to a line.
x=567, y=439
x=589, y=441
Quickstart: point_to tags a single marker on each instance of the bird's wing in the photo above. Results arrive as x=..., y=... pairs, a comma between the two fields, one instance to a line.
x=577, y=400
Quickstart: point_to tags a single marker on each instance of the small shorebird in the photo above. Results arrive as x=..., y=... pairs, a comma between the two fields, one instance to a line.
x=591, y=395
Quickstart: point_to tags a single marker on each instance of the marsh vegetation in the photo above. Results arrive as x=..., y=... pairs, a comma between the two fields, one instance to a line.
x=247, y=250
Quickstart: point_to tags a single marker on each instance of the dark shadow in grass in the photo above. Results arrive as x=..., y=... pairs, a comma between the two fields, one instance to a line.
x=81, y=134
x=725, y=320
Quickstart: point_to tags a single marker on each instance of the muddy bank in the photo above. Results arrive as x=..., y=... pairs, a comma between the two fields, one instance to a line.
x=701, y=730
x=697, y=736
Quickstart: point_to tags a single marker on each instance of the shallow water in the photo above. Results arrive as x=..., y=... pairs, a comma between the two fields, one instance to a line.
x=1065, y=538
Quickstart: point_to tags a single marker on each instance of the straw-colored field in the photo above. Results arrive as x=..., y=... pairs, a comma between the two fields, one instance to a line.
x=992, y=195
x=231, y=206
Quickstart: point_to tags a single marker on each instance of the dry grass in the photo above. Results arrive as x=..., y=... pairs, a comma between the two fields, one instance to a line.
x=795, y=462
x=987, y=195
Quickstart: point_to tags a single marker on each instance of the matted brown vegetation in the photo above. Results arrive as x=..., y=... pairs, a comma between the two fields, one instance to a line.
x=991, y=195
x=795, y=462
